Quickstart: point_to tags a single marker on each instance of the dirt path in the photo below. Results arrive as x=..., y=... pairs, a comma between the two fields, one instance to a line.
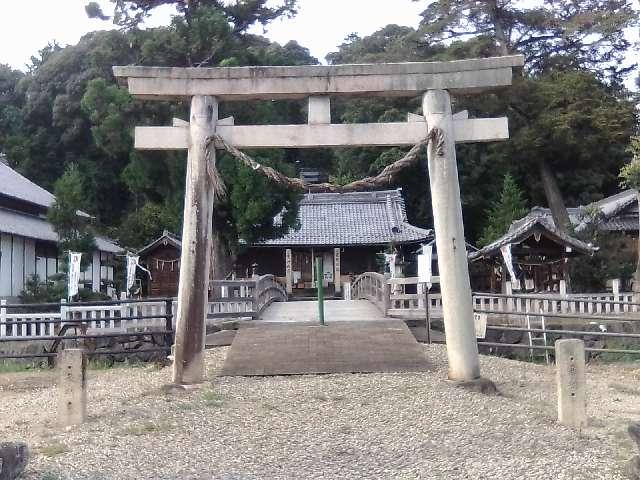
x=328, y=426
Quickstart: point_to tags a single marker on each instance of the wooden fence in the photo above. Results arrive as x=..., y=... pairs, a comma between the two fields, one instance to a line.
x=239, y=299
x=407, y=297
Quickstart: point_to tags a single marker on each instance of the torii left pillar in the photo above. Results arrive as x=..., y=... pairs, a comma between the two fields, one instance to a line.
x=195, y=259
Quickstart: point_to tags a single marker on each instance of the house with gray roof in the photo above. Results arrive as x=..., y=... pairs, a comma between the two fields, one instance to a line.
x=346, y=231
x=28, y=243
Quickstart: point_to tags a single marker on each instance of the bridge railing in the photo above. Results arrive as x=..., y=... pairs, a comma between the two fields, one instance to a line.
x=407, y=298
x=244, y=298
x=373, y=287
x=267, y=291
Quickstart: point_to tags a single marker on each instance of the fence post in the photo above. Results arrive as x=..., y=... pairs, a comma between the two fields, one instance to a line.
x=615, y=289
x=64, y=315
x=72, y=387
x=3, y=318
x=168, y=312
x=386, y=297
x=563, y=293
x=571, y=383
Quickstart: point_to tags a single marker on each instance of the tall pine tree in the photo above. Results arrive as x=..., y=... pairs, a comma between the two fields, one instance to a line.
x=510, y=206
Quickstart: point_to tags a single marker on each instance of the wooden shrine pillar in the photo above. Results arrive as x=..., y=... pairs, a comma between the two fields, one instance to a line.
x=457, y=305
x=337, y=270
x=195, y=259
x=288, y=266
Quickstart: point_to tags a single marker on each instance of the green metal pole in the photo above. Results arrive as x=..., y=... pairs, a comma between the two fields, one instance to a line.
x=319, y=279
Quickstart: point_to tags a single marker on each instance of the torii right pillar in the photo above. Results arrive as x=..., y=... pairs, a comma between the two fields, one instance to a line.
x=457, y=305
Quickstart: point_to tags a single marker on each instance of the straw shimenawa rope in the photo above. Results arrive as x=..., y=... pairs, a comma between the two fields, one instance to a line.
x=386, y=177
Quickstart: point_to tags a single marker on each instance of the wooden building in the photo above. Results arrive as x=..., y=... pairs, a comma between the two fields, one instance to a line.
x=162, y=258
x=28, y=243
x=347, y=231
x=539, y=250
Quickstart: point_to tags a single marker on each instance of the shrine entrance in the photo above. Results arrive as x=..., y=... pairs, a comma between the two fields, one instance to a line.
x=438, y=129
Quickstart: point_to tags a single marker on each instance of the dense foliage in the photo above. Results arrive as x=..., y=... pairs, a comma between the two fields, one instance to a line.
x=570, y=119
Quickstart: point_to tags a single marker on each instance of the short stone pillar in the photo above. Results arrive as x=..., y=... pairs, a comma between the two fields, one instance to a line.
x=14, y=457
x=72, y=387
x=633, y=469
x=571, y=383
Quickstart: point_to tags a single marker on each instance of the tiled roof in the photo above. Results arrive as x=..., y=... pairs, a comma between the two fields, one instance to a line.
x=31, y=226
x=361, y=218
x=14, y=185
x=622, y=224
x=537, y=221
x=614, y=210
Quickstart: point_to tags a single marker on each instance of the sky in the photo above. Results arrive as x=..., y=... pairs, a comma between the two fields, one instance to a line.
x=65, y=21
x=321, y=25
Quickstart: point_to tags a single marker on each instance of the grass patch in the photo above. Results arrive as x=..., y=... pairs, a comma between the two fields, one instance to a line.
x=101, y=363
x=212, y=399
x=147, y=428
x=12, y=366
x=186, y=407
x=619, y=344
x=51, y=476
x=54, y=449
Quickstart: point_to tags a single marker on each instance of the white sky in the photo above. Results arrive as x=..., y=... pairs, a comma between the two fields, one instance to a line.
x=26, y=26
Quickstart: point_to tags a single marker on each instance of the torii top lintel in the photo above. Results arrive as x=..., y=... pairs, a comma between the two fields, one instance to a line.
x=279, y=82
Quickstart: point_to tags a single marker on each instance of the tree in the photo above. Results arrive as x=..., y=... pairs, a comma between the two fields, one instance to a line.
x=68, y=220
x=573, y=120
x=241, y=14
x=554, y=35
x=204, y=33
x=508, y=207
x=551, y=34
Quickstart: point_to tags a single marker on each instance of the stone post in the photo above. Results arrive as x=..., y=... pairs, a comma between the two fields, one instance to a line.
x=72, y=387
x=571, y=383
x=386, y=297
x=462, y=349
x=195, y=261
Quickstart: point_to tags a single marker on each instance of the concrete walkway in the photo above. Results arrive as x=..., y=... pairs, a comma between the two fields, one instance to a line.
x=334, y=311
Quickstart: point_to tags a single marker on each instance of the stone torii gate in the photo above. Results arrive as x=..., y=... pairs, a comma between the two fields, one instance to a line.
x=206, y=87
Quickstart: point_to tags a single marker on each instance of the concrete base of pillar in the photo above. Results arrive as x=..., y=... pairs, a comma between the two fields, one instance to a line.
x=479, y=385
x=170, y=388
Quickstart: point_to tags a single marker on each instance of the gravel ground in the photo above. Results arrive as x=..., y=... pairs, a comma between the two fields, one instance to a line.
x=328, y=426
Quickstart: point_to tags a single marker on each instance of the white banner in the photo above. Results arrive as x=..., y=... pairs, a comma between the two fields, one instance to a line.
x=424, y=264
x=74, y=274
x=132, y=264
x=508, y=260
